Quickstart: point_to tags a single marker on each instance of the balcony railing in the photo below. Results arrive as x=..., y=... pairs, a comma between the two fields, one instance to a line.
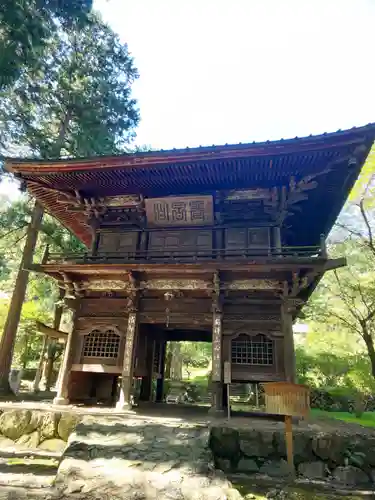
x=185, y=256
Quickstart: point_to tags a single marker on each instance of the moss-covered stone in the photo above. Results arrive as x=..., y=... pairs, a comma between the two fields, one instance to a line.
x=57, y=445
x=15, y=423
x=67, y=423
x=31, y=440
x=254, y=443
x=224, y=443
x=48, y=428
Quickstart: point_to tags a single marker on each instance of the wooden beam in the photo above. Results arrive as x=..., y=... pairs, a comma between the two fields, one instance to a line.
x=335, y=263
x=50, y=332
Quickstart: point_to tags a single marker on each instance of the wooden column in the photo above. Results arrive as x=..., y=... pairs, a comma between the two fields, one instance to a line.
x=38, y=374
x=52, y=343
x=160, y=379
x=277, y=240
x=146, y=385
x=289, y=351
x=8, y=338
x=62, y=395
x=217, y=360
x=124, y=401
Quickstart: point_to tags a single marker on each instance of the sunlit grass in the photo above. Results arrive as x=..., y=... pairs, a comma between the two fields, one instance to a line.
x=367, y=419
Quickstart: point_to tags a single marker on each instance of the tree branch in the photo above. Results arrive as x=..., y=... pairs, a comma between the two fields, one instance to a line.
x=369, y=230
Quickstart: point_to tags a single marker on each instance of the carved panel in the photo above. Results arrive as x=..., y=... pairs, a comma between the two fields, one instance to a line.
x=248, y=194
x=180, y=211
x=175, y=318
x=180, y=241
x=120, y=201
x=255, y=319
x=253, y=285
x=86, y=325
x=118, y=241
x=258, y=237
x=160, y=284
x=104, y=285
x=235, y=238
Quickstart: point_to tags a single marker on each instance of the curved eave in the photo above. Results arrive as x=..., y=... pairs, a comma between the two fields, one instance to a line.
x=206, y=170
x=144, y=159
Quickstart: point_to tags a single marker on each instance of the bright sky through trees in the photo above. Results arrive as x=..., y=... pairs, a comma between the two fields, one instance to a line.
x=228, y=71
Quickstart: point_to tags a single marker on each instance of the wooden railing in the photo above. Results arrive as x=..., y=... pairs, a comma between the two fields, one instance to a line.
x=185, y=256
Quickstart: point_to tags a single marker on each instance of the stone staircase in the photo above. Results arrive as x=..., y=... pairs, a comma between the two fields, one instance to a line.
x=140, y=458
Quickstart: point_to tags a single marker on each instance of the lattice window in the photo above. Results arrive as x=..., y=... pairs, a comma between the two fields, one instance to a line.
x=252, y=350
x=101, y=344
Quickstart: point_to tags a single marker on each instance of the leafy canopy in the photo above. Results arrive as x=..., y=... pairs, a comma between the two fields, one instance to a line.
x=25, y=30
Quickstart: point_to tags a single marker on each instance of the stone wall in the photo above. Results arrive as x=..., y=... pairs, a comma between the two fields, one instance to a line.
x=345, y=455
x=43, y=430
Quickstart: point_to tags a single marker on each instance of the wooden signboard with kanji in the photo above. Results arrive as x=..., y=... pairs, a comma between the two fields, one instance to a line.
x=179, y=211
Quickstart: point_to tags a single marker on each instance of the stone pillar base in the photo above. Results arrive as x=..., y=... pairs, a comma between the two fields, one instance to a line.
x=60, y=401
x=123, y=405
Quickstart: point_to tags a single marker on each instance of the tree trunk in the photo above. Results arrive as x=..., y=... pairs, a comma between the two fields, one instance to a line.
x=370, y=348
x=168, y=362
x=176, y=363
x=52, y=345
x=14, y=313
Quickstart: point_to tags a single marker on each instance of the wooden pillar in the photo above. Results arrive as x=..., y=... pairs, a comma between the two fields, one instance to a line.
x=146, y=385
x=124, y=401
x=160, y=379
x=62, y=395
x=38, y=374
x=52, y=343
x=19, y=292
x=289, y=351
x=217, y=357
x=277, y=240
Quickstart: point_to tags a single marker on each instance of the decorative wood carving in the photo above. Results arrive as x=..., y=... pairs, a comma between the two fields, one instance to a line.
x=247, y=194
x=176, y=318
x=85, y=325
x=121, y=201
x=172, y=284
x=180, y=211
x=253, y=284
x=275, y=318
x=104, y=285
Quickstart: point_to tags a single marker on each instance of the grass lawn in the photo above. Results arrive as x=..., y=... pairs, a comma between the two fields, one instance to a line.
x=367, y=419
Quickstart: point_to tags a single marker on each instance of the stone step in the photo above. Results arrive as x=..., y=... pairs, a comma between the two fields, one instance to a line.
x=140, y=457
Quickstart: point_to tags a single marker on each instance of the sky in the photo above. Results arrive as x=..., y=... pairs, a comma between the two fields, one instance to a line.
x=229, y=71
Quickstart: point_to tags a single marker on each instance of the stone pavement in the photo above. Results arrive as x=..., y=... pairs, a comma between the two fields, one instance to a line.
x=140, y=458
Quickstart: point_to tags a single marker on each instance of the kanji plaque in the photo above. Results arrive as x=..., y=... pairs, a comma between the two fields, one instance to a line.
x=179, y=211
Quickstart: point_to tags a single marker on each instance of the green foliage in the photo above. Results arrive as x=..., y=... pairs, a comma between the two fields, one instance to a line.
x=77, y=101
x=364, y=187
x=195, y=355
x=72, y=99
x=26, y=28
x=29, y=341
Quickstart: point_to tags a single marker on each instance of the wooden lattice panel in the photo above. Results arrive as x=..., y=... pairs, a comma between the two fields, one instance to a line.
x=284, y=398
x=101, y=344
